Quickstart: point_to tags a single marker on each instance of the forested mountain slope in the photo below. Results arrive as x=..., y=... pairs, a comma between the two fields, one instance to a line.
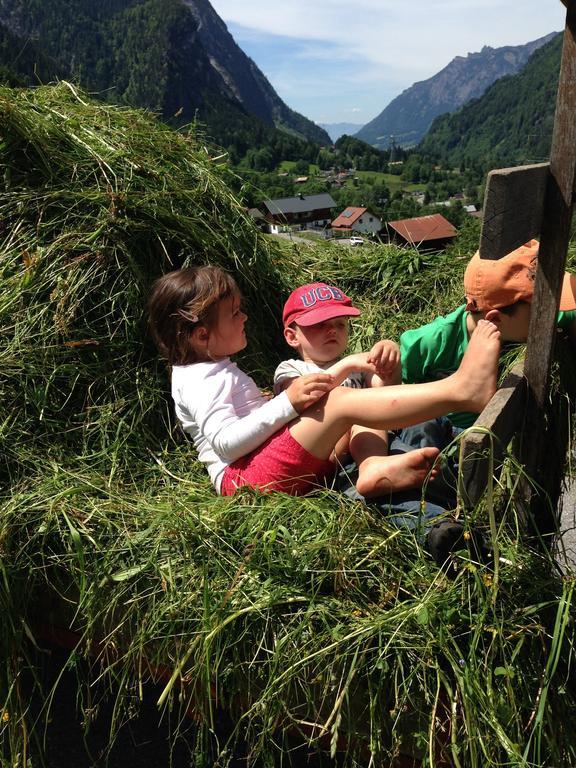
x=510, y=124
x=175, y=57
x=409, y=115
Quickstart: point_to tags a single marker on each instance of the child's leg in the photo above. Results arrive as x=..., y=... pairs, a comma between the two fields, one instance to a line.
x=434, y=433
x=380, y=474
x=365, y=443
x=341, y=452
x=469, y=389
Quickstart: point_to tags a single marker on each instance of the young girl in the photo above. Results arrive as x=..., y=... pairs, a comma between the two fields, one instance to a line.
x=284, y=443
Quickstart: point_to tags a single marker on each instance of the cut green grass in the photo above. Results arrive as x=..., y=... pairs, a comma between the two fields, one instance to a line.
x=308, y=616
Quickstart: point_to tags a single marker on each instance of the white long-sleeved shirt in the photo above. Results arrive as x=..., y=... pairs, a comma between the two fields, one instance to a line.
x=225, y=413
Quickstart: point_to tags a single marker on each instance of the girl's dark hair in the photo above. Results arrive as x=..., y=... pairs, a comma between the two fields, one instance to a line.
x=181, y=301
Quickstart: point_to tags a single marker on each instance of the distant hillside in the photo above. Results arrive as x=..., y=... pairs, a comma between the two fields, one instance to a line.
x=171, y=56
x=335, y=130
x=510, y=124
x=22, y=62
x=408, y=116
x=243, y=78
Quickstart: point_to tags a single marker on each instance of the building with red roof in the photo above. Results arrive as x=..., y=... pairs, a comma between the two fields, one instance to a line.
x=354, y=219
x=431, y=232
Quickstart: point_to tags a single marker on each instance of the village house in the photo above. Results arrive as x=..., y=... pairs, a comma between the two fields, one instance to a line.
x=258, y=218
x=354, y=219
x=431, y=232
x=300, y=212
x=470, y=209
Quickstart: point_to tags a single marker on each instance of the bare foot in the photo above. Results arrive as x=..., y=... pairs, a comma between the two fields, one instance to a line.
x=477, y=375
x=379, y=475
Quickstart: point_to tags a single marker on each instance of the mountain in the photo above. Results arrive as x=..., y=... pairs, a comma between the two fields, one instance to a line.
x=335, y=130
x=511, y=124
x=408, y=116
x=23, y=62
x=175, y=57
x=243, y=78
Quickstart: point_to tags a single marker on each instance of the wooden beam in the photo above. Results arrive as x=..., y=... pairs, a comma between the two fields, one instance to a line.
x=497, y=425
x=522, y=203
x=554, y=240
x=514, y=203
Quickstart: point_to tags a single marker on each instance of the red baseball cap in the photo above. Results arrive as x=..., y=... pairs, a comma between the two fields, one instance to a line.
x=316, y=302
x=492, y=284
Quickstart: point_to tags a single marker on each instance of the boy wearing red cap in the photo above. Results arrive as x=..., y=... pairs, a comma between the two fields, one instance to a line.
x=498, y=290
x=315, y=319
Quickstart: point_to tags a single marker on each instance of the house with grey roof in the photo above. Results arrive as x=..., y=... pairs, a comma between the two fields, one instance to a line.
x=299, y=212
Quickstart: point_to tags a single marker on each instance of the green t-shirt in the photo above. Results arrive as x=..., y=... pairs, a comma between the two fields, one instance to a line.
x=435, y=350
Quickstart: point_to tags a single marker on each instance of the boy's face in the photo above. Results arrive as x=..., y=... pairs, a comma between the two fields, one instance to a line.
x=514, y=327
x=320, y=343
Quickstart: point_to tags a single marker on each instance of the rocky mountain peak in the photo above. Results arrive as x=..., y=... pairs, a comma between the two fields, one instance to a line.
x=407, y=118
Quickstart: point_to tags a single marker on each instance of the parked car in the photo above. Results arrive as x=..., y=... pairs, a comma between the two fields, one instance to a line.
x=356, y=240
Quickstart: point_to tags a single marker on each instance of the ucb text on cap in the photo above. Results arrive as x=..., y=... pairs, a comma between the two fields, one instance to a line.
x=316, y=302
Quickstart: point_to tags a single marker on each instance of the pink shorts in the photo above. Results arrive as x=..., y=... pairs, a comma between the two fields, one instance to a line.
x=279, y=464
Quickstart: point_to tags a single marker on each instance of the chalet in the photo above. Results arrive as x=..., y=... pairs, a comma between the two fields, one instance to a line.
x=258, y=218
x=356, y=220
x=431, y=232
x=300, y=212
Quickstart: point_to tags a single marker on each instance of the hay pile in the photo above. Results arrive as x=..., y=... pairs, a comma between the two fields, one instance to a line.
x=305, y=615
x=97, y=203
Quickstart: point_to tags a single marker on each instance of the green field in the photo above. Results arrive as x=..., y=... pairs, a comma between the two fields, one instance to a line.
x=287, y=166
x=391, y=180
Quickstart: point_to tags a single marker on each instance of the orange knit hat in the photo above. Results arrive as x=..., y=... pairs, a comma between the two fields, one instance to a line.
x=497, y=283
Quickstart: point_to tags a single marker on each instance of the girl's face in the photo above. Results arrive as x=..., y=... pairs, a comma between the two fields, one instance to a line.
x=228, y=335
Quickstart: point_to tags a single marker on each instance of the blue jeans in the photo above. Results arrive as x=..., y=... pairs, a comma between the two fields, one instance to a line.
x=417, y=508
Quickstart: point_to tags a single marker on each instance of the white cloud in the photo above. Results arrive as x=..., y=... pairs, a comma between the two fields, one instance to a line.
x=379, y=29
x=388, y=44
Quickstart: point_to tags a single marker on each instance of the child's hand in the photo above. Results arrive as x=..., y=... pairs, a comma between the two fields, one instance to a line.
x=306, y=390
x=359, y=361
x=385, y=357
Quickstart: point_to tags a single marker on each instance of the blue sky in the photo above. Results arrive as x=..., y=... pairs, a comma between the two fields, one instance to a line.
x=345, y=60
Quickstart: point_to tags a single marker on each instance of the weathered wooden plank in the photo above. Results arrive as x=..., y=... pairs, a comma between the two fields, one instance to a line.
x=501, y=419
x=558, y=207
x=554, y=240
x=513, y=208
